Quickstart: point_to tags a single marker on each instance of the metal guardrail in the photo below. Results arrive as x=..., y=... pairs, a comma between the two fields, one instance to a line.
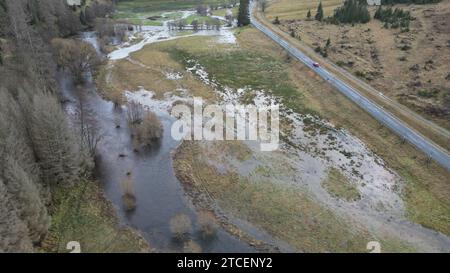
x=416, y=139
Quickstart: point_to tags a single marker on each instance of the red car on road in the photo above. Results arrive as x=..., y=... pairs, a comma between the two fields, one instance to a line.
x=316, y=64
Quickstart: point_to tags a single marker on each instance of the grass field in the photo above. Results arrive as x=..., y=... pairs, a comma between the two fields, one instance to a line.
x=149, y=71
x=286, y=212
x=223, y=12
x=267, y=66
x=143, y=18
x=81, y=213
x=297, y=9
x=377, y=56
x=165, y=5
x=427, y=185
x=201, y=19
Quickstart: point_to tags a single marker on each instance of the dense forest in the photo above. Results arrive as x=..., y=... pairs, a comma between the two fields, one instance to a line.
x=353, y=11
x=391, y=2
x=39, y=149
x=393, y=18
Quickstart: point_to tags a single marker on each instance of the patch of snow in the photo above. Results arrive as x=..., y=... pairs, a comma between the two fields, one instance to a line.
x=147, y=99
x=154, y=34
x=319, y=152
x=173, y=75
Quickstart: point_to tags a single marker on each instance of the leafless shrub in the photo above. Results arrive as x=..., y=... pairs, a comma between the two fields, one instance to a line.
x=207, y=224
x=147, y=131
x=116, y=96
x=181, y=226
x=135, y=113
x=128, y=195
x=192, y=247
x=75, y=56
x=110, y=31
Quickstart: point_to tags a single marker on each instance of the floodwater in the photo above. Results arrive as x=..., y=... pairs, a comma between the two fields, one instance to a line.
x=380, y=208
x=154, y=34
x=159, y=194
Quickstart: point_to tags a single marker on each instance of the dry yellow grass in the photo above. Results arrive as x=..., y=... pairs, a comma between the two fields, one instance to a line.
x=148, y=68
x=297, y=9
x=286, y=212
x=428, y=185
x=376, y=53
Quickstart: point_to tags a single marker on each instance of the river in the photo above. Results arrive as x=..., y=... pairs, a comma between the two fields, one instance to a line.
x=159, y=194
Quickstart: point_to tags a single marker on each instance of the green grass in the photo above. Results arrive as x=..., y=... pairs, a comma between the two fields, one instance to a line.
x=81, y=213
x=165, y=5
x=201, y=19
x=223, y=12
x=141, y=18
x=144, y=22
x=244, y=68
x=339, y=186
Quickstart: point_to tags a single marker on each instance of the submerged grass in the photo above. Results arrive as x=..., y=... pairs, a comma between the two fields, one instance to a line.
x=244, y=68
x=286, y=212
x=267, y=66
x=148, y=69
x=427, y=188
x=340, y=186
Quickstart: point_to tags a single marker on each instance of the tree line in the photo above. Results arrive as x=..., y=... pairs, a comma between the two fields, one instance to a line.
x=353, y=11
x=393, y=18
x=39, y=149
x=419, y=2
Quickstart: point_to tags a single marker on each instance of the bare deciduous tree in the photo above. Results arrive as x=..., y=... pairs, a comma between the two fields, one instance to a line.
x=90, y=135
x=76, y=56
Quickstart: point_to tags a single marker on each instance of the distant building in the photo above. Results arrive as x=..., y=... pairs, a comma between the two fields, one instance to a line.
x=374, y=2
x=74, y=2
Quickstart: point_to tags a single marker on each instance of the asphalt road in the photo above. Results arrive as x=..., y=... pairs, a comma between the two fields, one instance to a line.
x=422, y=143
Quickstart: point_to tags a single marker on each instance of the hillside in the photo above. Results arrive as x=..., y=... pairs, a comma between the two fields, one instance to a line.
x=408, y=66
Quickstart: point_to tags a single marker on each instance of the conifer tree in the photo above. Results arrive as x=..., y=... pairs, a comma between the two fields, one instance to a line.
x=13, y=231
x=243, y=15
x=319, y=14
x=25, y=196
x=15, y=138
x=54, y=142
